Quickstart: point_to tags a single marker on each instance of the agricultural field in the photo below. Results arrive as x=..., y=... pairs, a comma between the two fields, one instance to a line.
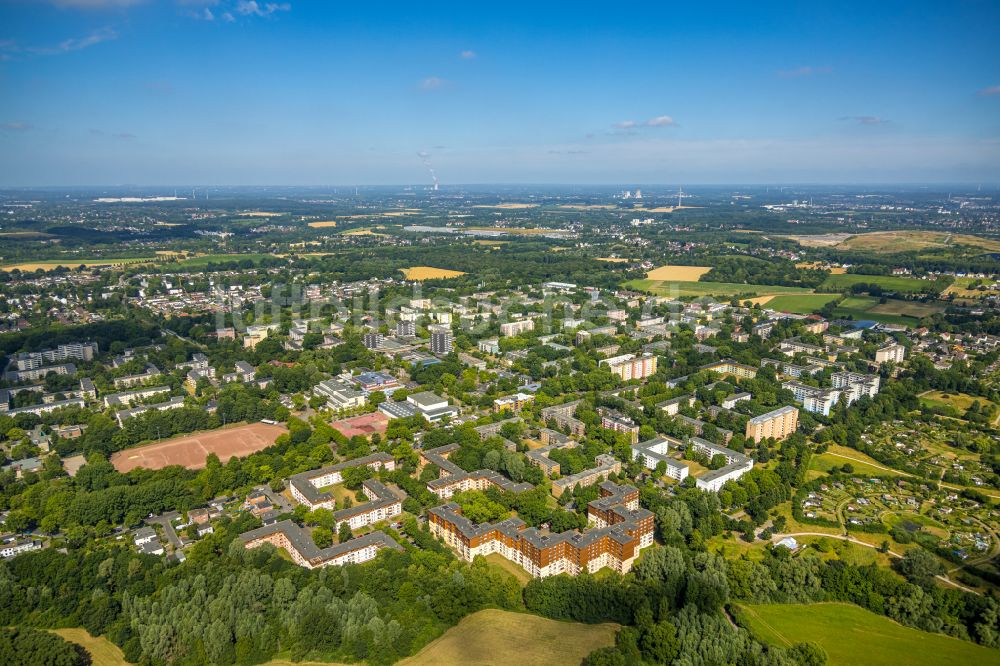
x=852, y=635
x=887, y=282
x=800, y=304
x=679, y=273
x=501, y=637
x=915, y=309
x=890, y=242
x=52, y=264
x=321, y=224
x=718, y=289
x=205, y=260
x=429, y=273
x=615, y=260
x=865, y=307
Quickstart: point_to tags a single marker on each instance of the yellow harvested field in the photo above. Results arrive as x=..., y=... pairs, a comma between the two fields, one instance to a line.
x=399, y=213
x=501, y=637
x=762, y=300
x=834, y=270
x=489, y=242
x=509, y=206
x=102, y=651
x=52, y=265
x=323, y=223
x=678, y=273
x=615, y=260
x=429, y=273
x=257, y=213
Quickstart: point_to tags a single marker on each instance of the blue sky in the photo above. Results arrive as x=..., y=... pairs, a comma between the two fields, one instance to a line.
x=241, y=92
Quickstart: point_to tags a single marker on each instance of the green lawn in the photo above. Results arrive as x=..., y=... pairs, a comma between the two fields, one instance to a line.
x=800, y=304
x=823, y=462
x=852, y=635
x=719, y=289
x=887, y=282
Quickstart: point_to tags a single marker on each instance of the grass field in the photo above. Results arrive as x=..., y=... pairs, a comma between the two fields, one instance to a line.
x=960, y=287
x=52, y=264
x=501, y=637
x=717, y=289
x=908, y=308
x=429, y=273
x=852, y=635
x=959, y=401
x=679, y=273
x=887, y=282
x=102, y=651
x=206, y=259
x=515, y=570
x=824, y=462
x=800, y=304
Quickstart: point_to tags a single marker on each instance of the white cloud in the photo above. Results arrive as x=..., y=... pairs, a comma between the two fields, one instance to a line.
x=660, y=121
x=77, y=43
x=432, y=83
x=254, y=8
x=468, y=55
x=16, y=126
x=990, y=91
x=865, y=120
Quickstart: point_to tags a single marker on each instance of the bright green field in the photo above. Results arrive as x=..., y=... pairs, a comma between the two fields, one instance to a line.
x=726, y=289
x=851, y=635
x=195, y=262
x=800, y=304
x=887, y=282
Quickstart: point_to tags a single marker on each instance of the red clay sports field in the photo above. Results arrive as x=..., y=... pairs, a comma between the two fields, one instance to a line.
x=191, y=450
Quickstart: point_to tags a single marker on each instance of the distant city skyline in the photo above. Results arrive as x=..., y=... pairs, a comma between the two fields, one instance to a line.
x=237, y=92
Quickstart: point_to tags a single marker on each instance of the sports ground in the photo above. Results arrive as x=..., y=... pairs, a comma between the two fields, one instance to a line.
x=191, y=450
x=365, y=425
